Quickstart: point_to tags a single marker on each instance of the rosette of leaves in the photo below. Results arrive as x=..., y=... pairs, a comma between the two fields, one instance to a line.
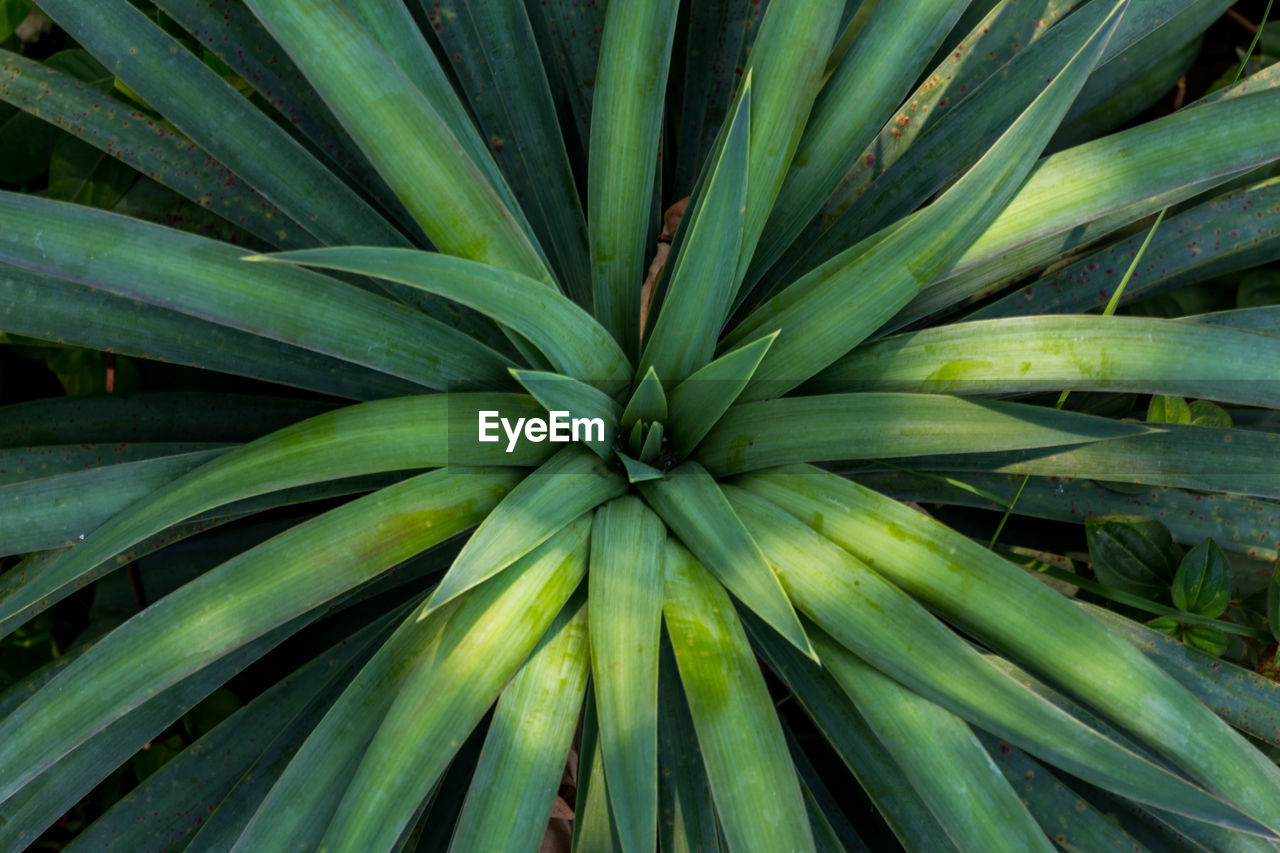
x=450, y=208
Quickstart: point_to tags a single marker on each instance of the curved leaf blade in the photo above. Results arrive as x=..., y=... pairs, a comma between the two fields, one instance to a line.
x=515, y=781
x=237, y=602
x=221, y=121
x=626, y=622
x=696, y=510
x=207, y=279
x=753, y=781
x=875, y=425
x=569, y=484
x=566, y=334
x=910, y=257
x=480, y=646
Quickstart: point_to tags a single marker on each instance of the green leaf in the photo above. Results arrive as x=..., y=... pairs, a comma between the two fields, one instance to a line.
x=1204, y=413
x=940, y=756
x=388, y=435
x=1036, y=354
x=1202, y=584
x=490, y=46
x=1074, y=823
x=637, y=471
x=1207, y=639
x=652, y=444
x=626, y=621
x=1180, y=252
x=567, y=485
x=207, y=279
x=1059, y=209
x=1244, y=526
x=696, y=510
x=479, y=646
x=79, y=173
x=1245, y=699
x=626, y=116
x=1132, y=552
x=60, y=311
x=702, y=277
x=828, y=584
x=648, y=403
x=49, y=795
x=960, y=109
x=995, y=600
x=593, y=825
x=1170, y=626
x=221, y=121
x=853, y=740
x=413, y=144
x=1168, y=410
x=561, y=393
x=849, y=109
x=60, y=510
x=171, y=806
x=786, y=64
x=752, y=778
x=697, y=403
x=568, y=34
x=827, y=322
x=1273, y=604
x=687, y=815
x=716, y=43
x=566, y=334
x=239, y=40
x=13, y=13
x=519, y=771
x=871, y=425
x=239, y=601
x=154, y=416
x=1206, y=458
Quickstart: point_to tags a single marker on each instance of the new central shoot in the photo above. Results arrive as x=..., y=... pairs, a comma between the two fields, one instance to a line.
x=558, y=427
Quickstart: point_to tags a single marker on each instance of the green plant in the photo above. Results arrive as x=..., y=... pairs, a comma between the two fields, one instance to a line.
x=830, y=297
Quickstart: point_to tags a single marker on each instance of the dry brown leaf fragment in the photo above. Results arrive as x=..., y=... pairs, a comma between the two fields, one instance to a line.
x=670, y=223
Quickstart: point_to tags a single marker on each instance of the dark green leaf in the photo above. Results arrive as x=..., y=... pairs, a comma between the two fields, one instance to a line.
x=1203, y=582
x=1132, y=552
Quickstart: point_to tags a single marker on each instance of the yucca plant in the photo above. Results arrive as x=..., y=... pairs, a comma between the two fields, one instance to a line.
x=436, y=219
